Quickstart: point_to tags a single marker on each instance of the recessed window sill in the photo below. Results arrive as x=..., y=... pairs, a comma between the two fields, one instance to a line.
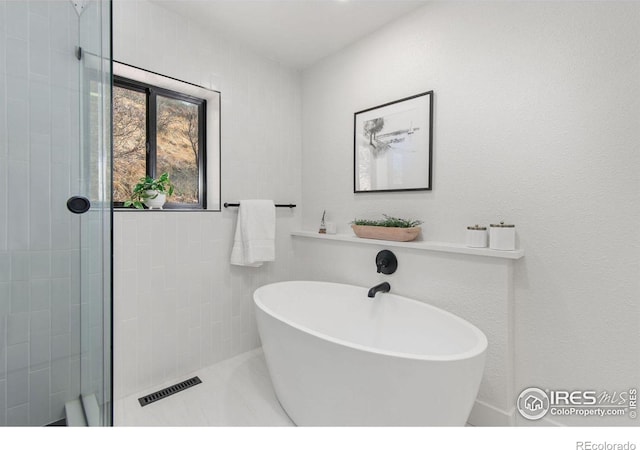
x=446, y=247
x=116, y=209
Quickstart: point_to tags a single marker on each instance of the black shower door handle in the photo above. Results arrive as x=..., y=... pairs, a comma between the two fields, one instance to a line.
x=78, y=204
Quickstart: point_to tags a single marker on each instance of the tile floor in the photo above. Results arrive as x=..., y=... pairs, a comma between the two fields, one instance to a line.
x=234, y=392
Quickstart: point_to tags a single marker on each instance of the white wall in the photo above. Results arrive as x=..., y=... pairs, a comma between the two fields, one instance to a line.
x=536, y=123
x=189, y=307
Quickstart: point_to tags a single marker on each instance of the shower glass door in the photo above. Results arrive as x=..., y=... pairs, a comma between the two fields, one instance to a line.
x=55, y=212
x=94, y=55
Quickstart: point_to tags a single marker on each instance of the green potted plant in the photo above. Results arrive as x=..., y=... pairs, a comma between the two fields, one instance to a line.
x=153, y=192
x=389, y=228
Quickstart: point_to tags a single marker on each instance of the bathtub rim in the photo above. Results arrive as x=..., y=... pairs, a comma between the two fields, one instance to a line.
x=477, y=350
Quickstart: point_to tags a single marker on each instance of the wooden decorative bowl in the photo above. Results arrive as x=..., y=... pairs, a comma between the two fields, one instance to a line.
x=386, y=233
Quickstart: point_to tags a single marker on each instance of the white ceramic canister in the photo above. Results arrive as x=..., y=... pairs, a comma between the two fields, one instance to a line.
x=477, y=236
x=502, y=236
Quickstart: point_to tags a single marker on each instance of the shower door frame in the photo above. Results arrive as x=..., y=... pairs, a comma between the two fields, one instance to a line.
x=101, y=76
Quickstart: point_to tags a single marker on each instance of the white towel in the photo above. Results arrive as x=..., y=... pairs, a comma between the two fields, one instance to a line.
x=254, y=241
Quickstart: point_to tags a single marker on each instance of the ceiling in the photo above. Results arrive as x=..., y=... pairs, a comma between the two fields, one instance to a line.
x=297, y=33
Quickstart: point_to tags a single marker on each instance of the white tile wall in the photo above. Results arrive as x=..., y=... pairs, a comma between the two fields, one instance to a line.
x=189, y=308
x=3, y=400
x=36, y=342
x=17, y=374
x=18, y=415
x=179, y=304
x=39, y=400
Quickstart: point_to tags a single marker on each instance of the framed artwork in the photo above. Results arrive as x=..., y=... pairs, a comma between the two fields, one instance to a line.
x=392, y=146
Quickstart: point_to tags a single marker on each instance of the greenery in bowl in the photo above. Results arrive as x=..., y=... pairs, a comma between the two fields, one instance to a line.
x=388, y=221
x=162, y=185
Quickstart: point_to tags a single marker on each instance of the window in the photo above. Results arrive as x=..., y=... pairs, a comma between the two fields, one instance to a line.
x=161, y=124
x=156, y=130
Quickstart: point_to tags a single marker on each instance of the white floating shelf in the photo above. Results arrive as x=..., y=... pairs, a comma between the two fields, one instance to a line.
x=418, y=245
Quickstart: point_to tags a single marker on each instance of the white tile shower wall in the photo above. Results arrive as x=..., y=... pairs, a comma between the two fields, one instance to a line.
x=39, y=349
x=536, y=109
x=179, y=304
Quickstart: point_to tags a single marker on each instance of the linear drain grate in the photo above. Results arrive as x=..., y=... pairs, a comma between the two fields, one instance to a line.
x=162, y=393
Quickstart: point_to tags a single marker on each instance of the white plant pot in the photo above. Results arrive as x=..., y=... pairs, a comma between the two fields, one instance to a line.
x=157, y=202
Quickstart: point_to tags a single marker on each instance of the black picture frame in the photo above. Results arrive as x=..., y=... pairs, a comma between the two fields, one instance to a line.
x=400, y=157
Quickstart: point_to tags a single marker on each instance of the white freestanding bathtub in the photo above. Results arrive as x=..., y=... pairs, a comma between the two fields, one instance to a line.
x=337, y=357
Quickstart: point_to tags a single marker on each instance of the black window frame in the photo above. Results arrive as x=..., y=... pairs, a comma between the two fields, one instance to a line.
x=152, y=93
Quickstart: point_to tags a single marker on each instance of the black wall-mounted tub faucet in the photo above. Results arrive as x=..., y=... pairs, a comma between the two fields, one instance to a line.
x=382, y=287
